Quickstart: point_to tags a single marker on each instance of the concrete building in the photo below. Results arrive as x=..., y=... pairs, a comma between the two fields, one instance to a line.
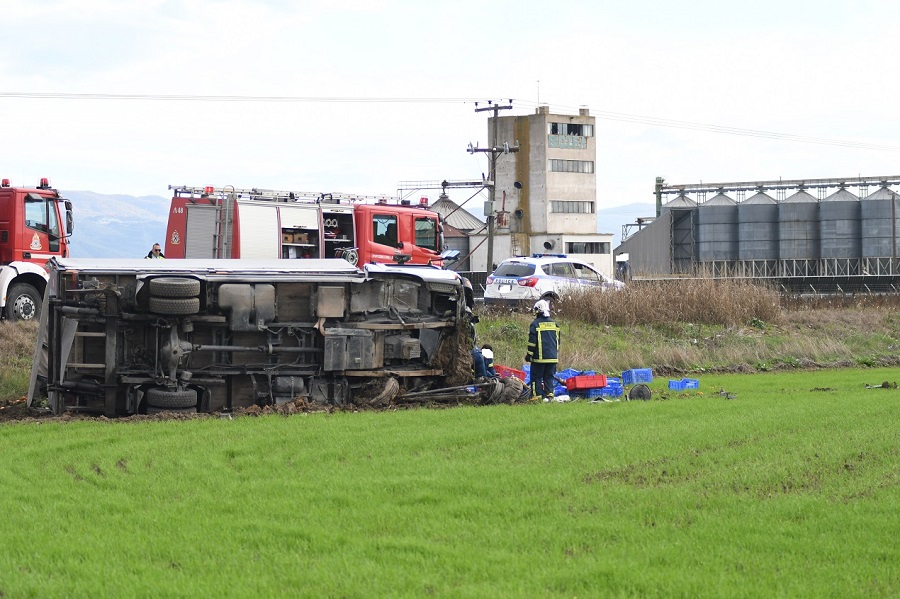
x=546, y=192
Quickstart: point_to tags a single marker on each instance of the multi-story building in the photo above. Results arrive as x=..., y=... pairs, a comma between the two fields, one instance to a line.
x=545, y=193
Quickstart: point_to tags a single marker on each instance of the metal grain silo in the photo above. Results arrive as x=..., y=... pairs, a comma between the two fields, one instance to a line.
x=880, y=224
x=680, y=202
x=839, y=232
x=798, y=227
x=682, y=209
x=758, y=228
x=717, y=229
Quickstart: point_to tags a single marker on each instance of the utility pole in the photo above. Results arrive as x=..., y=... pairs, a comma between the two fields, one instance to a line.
x=495, y=150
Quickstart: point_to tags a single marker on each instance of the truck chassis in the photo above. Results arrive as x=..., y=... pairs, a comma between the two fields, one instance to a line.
x=123, y=337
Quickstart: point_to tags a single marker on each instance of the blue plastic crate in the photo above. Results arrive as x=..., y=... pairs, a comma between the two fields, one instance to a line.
x=684, y=384
x=612, y=381
x=567, y=374
x=608, y=391
x=637, y=375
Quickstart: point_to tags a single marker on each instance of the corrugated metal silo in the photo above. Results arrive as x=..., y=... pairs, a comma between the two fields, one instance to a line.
x=880, y=223
x=683, y=249
x=717, y=229
x=839, y=232
x=798, y=227
x=758, y=228
x=680, y=202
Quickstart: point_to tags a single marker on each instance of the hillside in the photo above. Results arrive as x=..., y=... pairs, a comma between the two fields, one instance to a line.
x=116, y=226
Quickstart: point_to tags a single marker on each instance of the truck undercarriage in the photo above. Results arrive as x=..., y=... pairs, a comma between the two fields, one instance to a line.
x=122, y=337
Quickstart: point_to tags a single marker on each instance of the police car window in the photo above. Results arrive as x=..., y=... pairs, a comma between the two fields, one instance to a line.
x=562, y=269
x=514, y=269
x=587, y=273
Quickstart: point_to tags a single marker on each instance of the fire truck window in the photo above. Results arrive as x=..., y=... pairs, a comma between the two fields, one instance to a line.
x=384, y=229
x=36, y=214
x=426, y=233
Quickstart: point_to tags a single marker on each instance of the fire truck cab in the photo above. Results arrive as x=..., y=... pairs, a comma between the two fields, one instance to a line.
x=256, y=223
x=35, y=223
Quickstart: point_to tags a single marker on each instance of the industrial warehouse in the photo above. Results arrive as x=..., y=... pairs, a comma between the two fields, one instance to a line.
x=805, y=236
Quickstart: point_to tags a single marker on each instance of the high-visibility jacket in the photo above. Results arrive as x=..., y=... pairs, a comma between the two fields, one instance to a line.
x=543, y=341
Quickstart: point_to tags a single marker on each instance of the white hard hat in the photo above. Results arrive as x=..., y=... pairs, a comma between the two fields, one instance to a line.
x=542, y=306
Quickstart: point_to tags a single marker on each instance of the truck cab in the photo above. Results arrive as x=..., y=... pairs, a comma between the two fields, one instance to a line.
x=35, y=223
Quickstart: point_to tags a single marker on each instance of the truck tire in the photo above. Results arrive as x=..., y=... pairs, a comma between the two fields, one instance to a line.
x=23, y=302
x=160, y=397
x=174, y=287
x=155, y=410
x=175, y=306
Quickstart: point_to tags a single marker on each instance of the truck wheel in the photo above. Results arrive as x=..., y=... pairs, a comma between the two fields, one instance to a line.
x=154, y=410
x=174, y=287
x=160, y=397
x=23, y=302
x=175, y=306
x=639, y=392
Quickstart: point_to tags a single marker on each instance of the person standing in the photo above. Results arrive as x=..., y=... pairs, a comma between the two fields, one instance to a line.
x=543, y=351
x=155, y=252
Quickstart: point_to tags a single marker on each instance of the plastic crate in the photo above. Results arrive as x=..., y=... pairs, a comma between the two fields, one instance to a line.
x=684, y=384
x=506, y=372
x=615, y=391
x=691, y=383
x=586, y=381
x=637, y=375
x=567, y=374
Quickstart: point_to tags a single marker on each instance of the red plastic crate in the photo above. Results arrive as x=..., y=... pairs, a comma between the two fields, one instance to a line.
x=585, y=381
x=506, y=371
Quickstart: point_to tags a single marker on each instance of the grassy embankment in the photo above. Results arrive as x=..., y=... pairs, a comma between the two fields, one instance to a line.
x=703, y=325
x=791, y=489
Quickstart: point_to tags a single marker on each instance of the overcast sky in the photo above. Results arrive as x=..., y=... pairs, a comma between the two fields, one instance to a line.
x=652, y=72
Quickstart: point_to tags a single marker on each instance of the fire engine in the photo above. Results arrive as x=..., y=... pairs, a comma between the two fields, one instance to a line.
x=210, y=222
x=32, y=220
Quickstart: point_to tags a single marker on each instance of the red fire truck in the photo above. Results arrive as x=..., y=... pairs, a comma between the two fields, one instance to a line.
x=209, y=222
x=32, y=221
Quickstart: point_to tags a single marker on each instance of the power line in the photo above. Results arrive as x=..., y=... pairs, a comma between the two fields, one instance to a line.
x=234, y=98
x=603, y=115
x=661, y=122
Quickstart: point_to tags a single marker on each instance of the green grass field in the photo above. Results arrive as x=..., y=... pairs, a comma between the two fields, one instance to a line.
x=792, y=489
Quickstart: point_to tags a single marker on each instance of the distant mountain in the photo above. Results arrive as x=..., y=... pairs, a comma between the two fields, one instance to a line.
x=116, y=226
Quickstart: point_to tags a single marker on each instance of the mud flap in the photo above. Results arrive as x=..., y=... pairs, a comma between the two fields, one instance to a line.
x=332, y=391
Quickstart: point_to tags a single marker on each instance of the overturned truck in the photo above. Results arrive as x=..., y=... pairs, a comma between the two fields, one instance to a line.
x=123, y=337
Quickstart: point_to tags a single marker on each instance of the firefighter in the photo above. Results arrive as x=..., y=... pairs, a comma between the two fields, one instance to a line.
x=155, y=252
x=543, y=352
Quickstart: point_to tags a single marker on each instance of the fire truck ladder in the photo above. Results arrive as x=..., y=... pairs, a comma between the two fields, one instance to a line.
x=272, y=195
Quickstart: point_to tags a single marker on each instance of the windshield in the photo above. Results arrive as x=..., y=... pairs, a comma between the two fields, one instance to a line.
x=514, y=269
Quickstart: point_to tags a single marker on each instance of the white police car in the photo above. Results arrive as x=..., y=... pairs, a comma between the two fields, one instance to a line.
x=523, y=280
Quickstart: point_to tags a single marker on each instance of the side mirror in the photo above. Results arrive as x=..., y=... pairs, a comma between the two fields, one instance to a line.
x=70, y=222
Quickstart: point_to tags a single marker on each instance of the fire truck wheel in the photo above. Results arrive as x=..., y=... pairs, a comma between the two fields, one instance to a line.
x=160, y=397
x=23, y=303
x=155, y=410
x=175, y=306
x=174, y=287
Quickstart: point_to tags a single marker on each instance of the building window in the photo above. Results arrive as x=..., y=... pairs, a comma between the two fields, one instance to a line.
x=570, y=129
x=571, y=207
x=587, y=247
x=572, y=166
